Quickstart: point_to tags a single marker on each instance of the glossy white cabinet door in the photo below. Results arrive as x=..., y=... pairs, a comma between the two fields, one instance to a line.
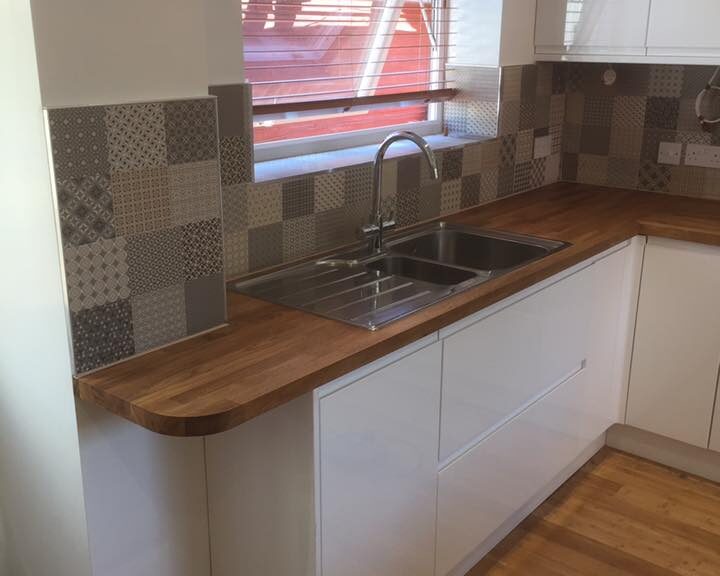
x=689, y=28
x=377, y=451
x=614, y=27
x=677, y=342
x=486, y=486
x=494, y=368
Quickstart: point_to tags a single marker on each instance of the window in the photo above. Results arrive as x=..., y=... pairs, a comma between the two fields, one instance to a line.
x=326, y=72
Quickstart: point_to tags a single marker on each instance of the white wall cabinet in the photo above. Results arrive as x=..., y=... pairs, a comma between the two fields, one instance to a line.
x=688, y=30
x=677, y=342
x=661, y=31
x=592, y=27
x=377, y=466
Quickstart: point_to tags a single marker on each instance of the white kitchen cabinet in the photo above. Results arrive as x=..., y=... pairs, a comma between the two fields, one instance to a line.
x=494, y=368
x=487, y=485
x=677, y=342
x=376, y=450
x=591, y=28
x=688, y=29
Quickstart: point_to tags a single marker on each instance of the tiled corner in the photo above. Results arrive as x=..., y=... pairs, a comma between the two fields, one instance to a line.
x=139, y=207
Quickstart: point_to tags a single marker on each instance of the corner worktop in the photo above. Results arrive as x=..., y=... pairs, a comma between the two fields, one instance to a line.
x=269, y=354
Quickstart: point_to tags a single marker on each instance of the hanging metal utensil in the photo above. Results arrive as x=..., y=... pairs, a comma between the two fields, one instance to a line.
x=707, y=103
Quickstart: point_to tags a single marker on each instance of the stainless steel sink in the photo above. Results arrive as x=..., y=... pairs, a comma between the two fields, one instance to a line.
x=415, y=271
x=473, y=248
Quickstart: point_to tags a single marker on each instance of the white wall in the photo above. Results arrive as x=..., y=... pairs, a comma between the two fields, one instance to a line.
x=224, y=41
x=110, y=51
x=40, y=481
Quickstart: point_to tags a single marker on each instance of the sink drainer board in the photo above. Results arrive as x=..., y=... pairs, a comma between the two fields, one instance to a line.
x=414, y=271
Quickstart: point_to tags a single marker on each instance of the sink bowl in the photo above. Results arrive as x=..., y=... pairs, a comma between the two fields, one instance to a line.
x=474, y=249
x=415, y=271
x=421, y=270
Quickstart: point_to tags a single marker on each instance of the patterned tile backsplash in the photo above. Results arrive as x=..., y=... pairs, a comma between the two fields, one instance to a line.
x=271, y=223
x=138, y=196
x=612, y=133
x=158, y=205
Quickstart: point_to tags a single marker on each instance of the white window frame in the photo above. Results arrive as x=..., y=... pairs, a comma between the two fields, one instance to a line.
x=339, y=141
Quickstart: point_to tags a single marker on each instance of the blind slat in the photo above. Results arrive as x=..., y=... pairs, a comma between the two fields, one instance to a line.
x=356, y=77
x=362, y=49
x=346, y=64
x=347, y=91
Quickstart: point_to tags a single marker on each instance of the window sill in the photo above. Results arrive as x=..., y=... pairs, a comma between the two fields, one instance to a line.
x=349, y=157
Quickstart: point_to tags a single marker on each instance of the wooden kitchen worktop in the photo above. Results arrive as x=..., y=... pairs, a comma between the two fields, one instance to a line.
x=269, y=354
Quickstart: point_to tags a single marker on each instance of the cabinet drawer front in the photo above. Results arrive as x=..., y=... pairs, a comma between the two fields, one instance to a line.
x=377, y=455
x=493, y=369
x=482, y=490
x=689, y=31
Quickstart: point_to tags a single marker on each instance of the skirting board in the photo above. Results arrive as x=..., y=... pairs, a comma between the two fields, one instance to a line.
x=690, y=459
x=466, y=565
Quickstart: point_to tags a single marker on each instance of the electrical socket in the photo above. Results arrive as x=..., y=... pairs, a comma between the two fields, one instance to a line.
x=670, y=153
x=543, y=147
x=702, y=155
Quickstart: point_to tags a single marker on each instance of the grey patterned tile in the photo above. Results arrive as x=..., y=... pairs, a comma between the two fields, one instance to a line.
x=408, y=207
x=662, y=113
x=654, y=177
x=136, y=136
x=298, y=197
x=264, y=204
x=490, y=154
x=592, y=169
x=711, y=184
x=559, y=78
x=666, y=80
x=542, y=112
x=695, y=78
x=234, y=105
x=235, y=207
x=552, y=169
x=298, y=237
x=205, y=303
x=79, y=142
x=155, y=260
x=472, y=161
x=629, y=111
x=623, y=172
x=158, y=317
x=408, y=176
x=575, y=108
x=509, y=118
x=506, y=180
x=507, y=150
x=330, y=190
x=85, y=207
x=236, y=160
x=626, y=142
x=527, y=115
x=693, y=137
x=598, y=111
x=332, y=229
x=202, y=249
x=529, y=83
x=521, y=182
x=191, y=131
x=651, y=143
x=452, y=164
x=194, y=192
x=556, y=139
x=450, y=195
x=470, y=192
x=569, y=167
x=235, y=249
x=489, y=185
x=557, y=110
x=358, y=185
x=537, y=173
x=595, y=140
x=265, y=246
x=511, y=83
x=429, y=201
x=632, y=79
x=96, y=273
x=102, y=335
x=524, y=144
x=572, y=135
x=141, y=200
x=544, y=85
x=687, y=119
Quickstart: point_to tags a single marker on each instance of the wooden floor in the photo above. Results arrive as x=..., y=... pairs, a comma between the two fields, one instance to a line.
x=618, y=515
